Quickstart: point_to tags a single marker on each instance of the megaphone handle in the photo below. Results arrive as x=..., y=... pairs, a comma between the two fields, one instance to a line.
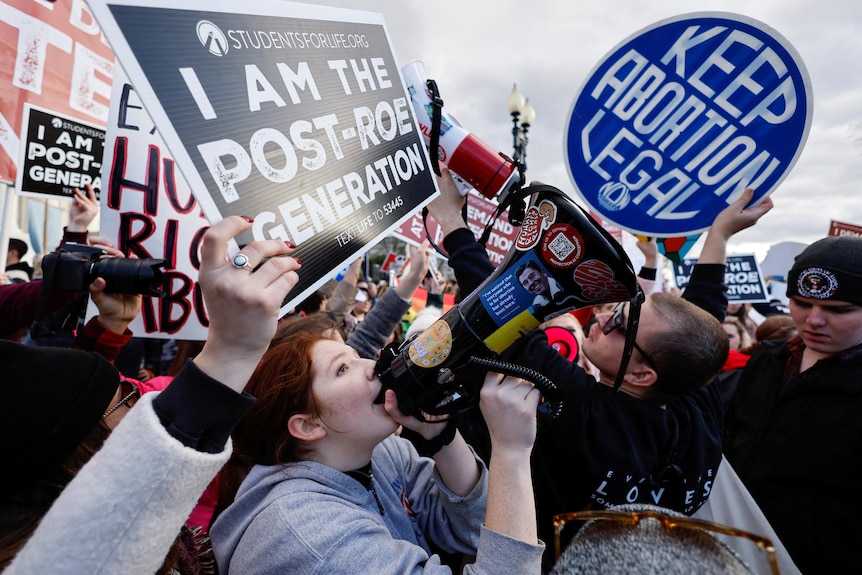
x=549, y=407
x=436, y=119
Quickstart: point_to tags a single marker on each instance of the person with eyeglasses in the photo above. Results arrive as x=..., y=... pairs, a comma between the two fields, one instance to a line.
x=657, y=438
x=362, y=302
x=99, y=480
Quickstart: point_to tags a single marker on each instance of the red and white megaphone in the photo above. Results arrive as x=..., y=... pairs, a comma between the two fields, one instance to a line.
x=488, y=171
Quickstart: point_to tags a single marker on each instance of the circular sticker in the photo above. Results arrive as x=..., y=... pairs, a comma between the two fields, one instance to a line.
x=433, y=346
x=562, y=246
x=530, y=230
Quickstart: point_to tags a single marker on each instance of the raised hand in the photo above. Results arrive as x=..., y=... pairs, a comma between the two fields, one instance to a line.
x=85, y=208
x=242, y=301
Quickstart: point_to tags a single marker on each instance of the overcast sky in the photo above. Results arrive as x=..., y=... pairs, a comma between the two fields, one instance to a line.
x=477, y=50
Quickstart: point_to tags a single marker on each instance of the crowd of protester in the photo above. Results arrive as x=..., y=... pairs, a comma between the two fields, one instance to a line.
x=273, y=447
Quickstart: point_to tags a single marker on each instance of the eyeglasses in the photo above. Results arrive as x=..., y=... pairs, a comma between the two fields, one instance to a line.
x=128, y=391
x=668, y=522
x=616, y=321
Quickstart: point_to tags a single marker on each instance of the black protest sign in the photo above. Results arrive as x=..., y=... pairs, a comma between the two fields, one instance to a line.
x=742, y=276
x=294, y=115
x=58, y=155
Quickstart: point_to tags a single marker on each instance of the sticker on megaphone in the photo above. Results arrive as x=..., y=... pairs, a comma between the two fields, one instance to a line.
x=475, y=163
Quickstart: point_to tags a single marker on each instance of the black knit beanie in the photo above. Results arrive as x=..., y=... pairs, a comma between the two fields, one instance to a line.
x=50, y=400
x=830, y=268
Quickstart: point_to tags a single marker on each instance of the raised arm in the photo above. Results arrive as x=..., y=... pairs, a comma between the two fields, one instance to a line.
x=342, y=296
x=85, y=208
x=734, y=218
x=379, y=323
x=145, y=480
x=648, y=274
x=237, y=339
x=467, y=257
x=706, y=288
x=509, y=407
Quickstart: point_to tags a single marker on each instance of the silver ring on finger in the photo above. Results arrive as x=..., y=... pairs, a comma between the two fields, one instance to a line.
x=241, y=261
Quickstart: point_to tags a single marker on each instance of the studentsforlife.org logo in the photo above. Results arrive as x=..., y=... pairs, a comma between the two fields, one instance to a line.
x=218, y=42
x=212, y=38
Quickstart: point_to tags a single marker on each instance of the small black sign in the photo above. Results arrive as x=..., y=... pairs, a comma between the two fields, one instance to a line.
x=58, y=155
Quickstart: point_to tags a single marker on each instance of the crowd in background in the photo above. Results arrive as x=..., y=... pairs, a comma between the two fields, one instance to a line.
x=273, y=446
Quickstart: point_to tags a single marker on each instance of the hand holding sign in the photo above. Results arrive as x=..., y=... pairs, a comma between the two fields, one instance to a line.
x=649, y=248
x=734, y=218
x=737, y=216
x=85, y=208
x=242, y=304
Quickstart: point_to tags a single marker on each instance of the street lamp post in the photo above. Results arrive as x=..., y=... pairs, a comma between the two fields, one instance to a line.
x=523, y=115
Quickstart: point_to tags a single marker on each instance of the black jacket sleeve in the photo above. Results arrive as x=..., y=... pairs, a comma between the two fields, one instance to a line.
x=706, y=289
x=199, y=411
x=468, y=260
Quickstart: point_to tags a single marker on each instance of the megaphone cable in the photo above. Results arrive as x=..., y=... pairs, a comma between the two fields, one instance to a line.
x=549, y=407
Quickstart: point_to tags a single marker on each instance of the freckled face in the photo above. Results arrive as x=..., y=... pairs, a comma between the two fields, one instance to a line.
x=345, y=387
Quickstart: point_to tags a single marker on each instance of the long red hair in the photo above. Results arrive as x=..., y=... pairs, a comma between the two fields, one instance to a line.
x=282, y=386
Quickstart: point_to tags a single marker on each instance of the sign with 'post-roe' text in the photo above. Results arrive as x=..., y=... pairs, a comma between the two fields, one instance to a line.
x=58, y=154
x=680, y=118
x=292, y=114
x=742, y=276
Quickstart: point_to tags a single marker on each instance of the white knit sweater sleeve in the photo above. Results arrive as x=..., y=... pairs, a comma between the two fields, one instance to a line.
x=124, y=509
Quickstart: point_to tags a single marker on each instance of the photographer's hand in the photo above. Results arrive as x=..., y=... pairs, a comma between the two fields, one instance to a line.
x=116, y=310
x=105, y=244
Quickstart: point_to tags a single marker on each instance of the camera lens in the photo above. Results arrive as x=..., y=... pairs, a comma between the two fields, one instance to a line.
x=124, y=275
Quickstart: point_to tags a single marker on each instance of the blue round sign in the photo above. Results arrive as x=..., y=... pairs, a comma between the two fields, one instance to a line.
x=677, y=120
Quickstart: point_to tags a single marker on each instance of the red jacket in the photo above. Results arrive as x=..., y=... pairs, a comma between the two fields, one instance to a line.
x=735, y=360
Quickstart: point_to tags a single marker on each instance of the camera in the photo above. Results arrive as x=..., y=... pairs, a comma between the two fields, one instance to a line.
x=73, y=267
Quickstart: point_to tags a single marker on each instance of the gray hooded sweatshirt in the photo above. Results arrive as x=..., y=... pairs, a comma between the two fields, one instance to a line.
x=309, y=518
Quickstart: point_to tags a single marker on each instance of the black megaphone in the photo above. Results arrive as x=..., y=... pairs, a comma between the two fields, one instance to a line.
x=561, y=260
